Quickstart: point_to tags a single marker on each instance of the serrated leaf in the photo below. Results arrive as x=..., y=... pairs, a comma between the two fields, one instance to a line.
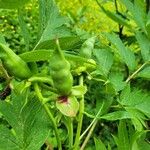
x=27, y=119
x=7, y=139
x=123, y=139
x=137, y=10
x=126, y=54
x=12, y=4
x=137, y=118
x=140, y=13
x=117, y=115
x=99, y=145
x=66, y=43
x=68, y=106
x=144, y=45
x=54, y=26
x=104, y=60
x=116, y=79
x=137, y=100
x=137, y=105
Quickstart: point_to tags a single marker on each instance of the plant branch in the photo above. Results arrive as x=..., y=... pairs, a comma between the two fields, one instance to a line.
x=88, y=136
x=70, y=132
x=94, y=120
x=119, y=25
x=132, y=75
x=52, y=119
x=80, y=117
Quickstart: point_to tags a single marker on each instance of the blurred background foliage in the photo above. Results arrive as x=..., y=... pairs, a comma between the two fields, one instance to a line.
x=85, y=15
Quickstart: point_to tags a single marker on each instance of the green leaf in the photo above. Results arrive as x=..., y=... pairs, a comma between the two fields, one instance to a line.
x=28, y=120
x=144, y=45
x=117, y=115
x=68, y=106
x=116, y=139
x=145, y=73
x=78, y=90
x=137, y=118
x=138, y=11
x=116, y=79
x=126, y=54
x=12, y=4
x=2, y=39
x=104, y=104
x=54, y=26
x=104, y=60
x=99, y=145
x=137, y=104
x=136, y=139
x=66, y=43
x=123, y=139
x=7, y=139
x=143, y=145
x=109, y=148
x=38, y=55
x=129, y=5
x=42, y=55
x=136, y=99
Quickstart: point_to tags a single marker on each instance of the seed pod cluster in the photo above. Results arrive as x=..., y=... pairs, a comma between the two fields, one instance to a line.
x=60, y=72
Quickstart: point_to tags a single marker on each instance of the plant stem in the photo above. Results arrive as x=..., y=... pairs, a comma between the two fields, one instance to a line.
x=94, y=120
x=132, y=75
x=70, y=132
x=88, y=136
x=79, y=127
x=52, y=119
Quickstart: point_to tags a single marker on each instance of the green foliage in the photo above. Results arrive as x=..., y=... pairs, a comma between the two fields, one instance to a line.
x=87, y=90
x=9, y=4
x=28, y=122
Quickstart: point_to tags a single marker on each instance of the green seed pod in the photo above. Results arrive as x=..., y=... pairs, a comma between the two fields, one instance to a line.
x=14, y=65
x=87, y=47
x=60, y=72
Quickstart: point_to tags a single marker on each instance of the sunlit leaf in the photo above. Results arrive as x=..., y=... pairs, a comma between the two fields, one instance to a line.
x=117, y=115
x=27, y=119
x=68, y=106
x=144, y=43
x=104, y=60
x=125, y=53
